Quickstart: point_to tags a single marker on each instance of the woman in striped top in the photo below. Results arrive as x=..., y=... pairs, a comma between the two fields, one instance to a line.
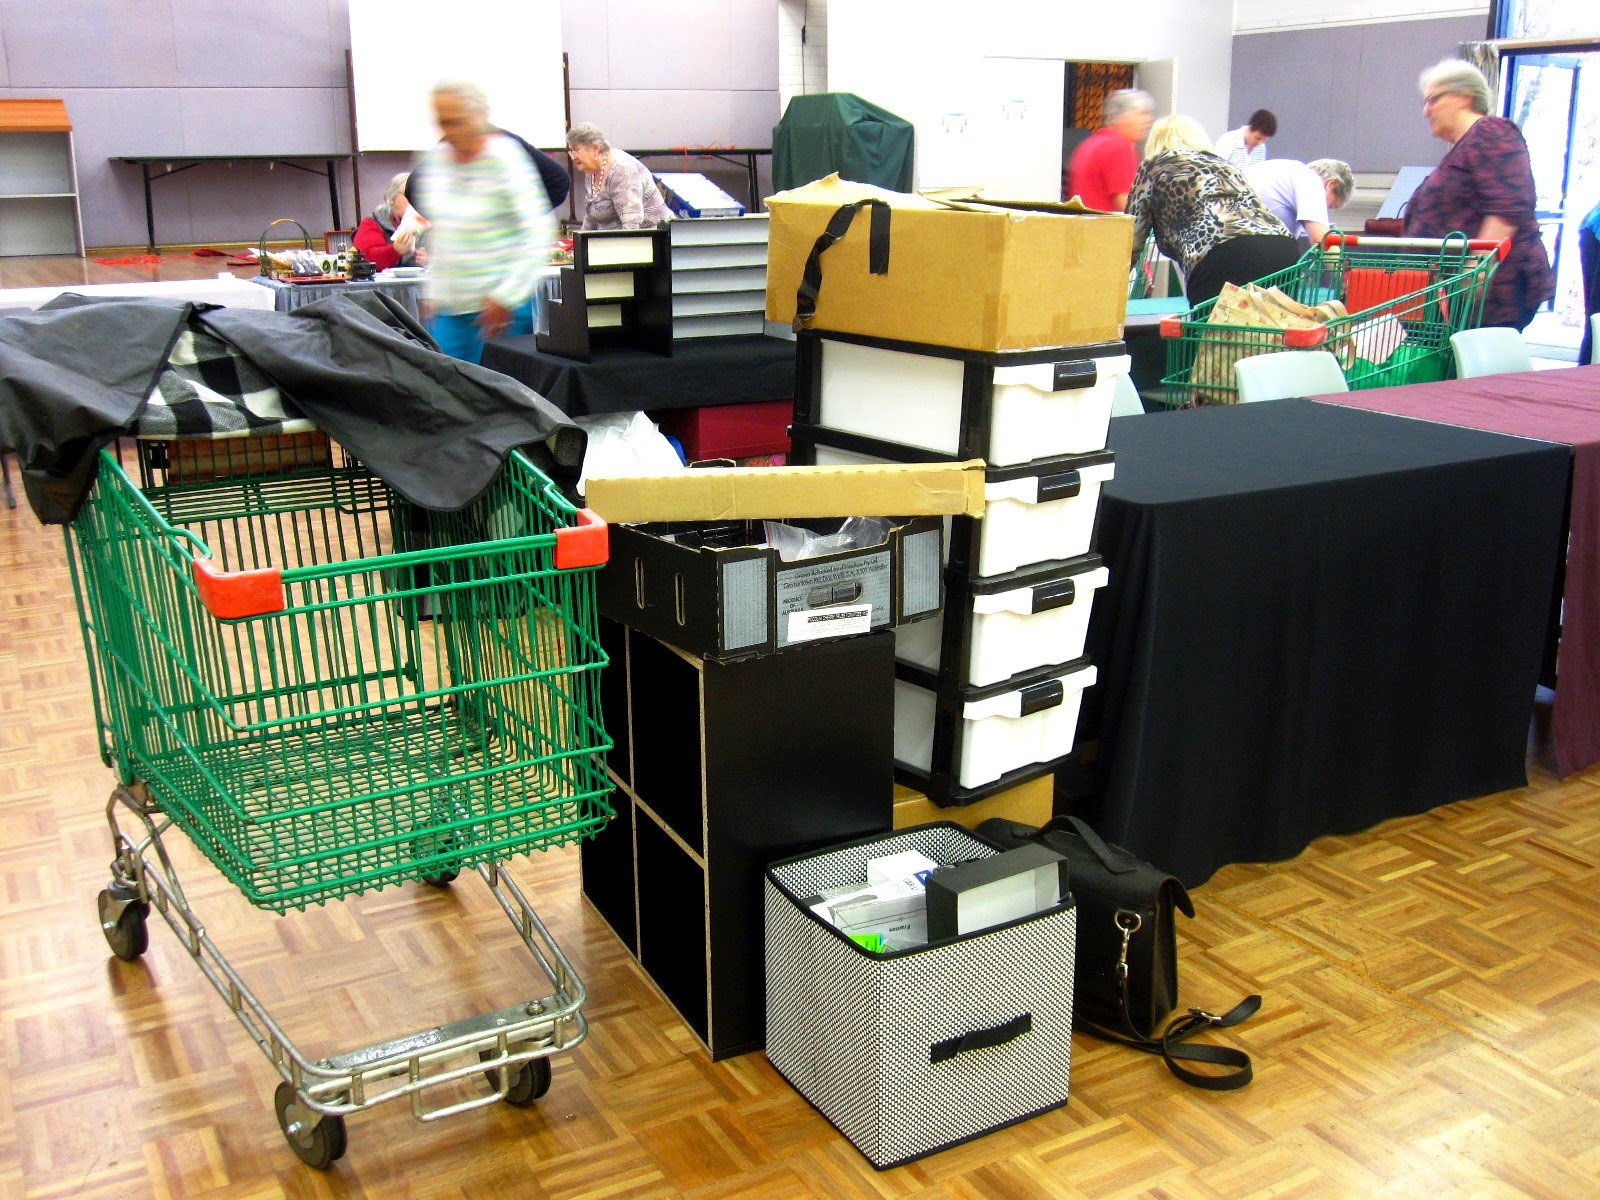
x=491, y=231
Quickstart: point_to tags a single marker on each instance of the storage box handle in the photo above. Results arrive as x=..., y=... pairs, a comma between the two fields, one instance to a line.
x=1040, y=696
x=981, y=1039
x=805, y=303
x=1059, y=487
x=1078, y=373
x=1058, y=594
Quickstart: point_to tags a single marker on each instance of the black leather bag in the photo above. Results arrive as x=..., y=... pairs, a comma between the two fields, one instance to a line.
x=1125, y=975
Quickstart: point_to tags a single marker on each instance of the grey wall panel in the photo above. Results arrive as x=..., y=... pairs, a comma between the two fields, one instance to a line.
x=670, y=118
x=264, y=121
x=584, y=30
x=1347, y=92
x=5, y=66
x=89, y=43
x=753, y=116
x=753, y=35
x=108, y=122
x=679, y=45
x=216, y=44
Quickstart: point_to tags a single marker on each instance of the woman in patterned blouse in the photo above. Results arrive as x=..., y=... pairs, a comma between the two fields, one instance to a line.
x=1483, y=187
x=621, y=192
x=1204, y=213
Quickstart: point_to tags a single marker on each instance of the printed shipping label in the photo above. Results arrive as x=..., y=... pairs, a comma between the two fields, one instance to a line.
x=811, y=624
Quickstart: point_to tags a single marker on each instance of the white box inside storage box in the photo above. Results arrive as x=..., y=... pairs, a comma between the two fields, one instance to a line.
x=913, y=1051
x=989, y=732
x=994, y=629
x=1038, y=512
x=1040, y=404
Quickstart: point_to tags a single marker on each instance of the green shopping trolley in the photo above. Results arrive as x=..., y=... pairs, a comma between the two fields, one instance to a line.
x=330, y=690
x=1404, y=298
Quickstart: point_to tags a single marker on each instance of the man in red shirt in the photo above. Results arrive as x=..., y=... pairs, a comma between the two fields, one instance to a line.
x=1102, y=169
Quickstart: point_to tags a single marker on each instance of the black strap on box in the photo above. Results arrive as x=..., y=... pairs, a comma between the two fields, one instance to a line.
x=981, y=1039
x=805, y=302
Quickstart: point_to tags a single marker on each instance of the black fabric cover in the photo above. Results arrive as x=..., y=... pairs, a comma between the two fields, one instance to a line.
x=743, y=369
x=1317, y=618
x=75, y=375
x=831, y=132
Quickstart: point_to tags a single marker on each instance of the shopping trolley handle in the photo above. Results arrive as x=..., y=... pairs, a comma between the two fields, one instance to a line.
x=1456, y=243
x=586, y=544
x=231, y=595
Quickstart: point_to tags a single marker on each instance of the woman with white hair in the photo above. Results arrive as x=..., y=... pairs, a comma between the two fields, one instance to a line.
x=1483, y=187
x=380, y=237
x=490, y=230
x=621, y=192
x=1204, y=213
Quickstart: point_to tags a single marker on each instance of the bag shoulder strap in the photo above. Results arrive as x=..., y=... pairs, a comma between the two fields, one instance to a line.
x=1173, y=1046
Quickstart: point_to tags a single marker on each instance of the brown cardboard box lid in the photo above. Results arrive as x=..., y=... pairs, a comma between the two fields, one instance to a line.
x=737, y=493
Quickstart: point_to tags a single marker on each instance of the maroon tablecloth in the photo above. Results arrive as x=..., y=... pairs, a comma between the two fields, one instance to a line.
x=1561, y=405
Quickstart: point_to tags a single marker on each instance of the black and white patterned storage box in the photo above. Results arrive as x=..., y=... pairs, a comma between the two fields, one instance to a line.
x=915, y=1051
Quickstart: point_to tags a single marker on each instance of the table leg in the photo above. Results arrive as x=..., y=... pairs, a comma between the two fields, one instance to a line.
x=750, y=167
x=149, y=212
x=333, y=193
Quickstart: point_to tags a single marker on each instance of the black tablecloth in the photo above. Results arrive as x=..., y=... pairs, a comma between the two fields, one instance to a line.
x=1317, y=618
x=701, y=371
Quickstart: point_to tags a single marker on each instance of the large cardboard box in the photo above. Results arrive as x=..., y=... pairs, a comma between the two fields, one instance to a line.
x=976, y=275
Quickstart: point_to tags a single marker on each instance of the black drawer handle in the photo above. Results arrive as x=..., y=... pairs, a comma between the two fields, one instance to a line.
x=1079, y=373
x=1041, y=696
x=1058, y=594
x=1059, y=487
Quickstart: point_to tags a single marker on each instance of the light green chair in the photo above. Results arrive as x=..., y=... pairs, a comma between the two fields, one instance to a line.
x=1287, y=373
x=1492, y=351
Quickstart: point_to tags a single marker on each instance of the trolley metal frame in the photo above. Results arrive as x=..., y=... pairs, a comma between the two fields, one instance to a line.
x=509, y=1047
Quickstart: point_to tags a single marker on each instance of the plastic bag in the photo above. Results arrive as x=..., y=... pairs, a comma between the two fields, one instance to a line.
x=624, y=444
x=794, y=542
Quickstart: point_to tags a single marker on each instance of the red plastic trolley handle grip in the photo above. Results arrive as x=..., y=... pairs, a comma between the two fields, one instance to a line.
x=586, y=544
x=1501, y=248
x=230, y=595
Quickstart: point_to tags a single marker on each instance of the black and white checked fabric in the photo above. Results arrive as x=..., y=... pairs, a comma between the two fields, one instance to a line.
x=853, y=1031
x=209, y=389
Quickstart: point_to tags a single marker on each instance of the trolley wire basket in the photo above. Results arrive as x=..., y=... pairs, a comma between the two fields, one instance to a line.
x=1404, y=298
x=330, y=690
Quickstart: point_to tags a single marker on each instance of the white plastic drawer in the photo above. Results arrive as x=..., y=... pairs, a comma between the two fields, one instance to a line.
x=1037, y=410
x=1036, y=518
x=1029, y=623
x=994, y=735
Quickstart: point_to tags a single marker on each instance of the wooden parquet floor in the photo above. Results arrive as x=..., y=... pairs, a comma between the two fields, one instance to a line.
x=1431, y=1024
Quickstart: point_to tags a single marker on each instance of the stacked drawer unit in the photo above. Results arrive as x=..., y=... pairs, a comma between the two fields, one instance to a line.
x=987, y=696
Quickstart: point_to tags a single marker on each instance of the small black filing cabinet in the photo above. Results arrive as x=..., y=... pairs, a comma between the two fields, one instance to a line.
x=725, y=767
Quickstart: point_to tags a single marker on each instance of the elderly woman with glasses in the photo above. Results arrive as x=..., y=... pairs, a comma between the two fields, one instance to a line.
x=386, y=238
x=1483, y=187
x=621, y=193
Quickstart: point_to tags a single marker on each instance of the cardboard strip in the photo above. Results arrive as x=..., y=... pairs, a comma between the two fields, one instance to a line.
x=729, y=493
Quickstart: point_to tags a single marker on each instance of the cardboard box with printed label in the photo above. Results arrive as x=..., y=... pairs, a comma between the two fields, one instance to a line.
x=972, y=274
x=698, y=575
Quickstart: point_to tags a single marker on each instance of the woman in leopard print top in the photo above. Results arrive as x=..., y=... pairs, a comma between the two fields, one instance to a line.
x=1203, y=213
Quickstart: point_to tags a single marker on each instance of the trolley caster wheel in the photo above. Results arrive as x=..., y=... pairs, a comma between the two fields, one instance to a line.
x=430, y=844
x=122, y=920
x=318, y=1141
x=528, y=1082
